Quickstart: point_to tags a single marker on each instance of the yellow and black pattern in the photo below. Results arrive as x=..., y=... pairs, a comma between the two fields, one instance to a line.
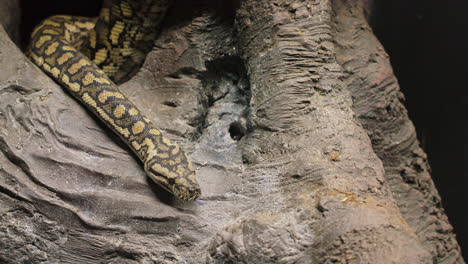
x=123, y=36
x=118, y=50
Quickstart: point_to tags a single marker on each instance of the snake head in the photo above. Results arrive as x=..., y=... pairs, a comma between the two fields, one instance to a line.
x=178, y=179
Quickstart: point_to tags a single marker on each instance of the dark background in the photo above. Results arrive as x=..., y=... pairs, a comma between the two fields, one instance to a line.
x=33, y=12
x=428, y=44
x=427, y=41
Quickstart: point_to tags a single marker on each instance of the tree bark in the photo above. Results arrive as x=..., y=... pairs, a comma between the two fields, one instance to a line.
x=378, y=104
x=269, y=98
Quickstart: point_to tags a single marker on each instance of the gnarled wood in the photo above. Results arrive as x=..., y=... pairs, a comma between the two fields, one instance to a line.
x=262, y=100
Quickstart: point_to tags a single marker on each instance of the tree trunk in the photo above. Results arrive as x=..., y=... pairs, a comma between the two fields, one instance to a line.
x=294, y=121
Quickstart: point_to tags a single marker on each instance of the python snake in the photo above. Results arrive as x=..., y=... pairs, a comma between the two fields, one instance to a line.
x=89, y=56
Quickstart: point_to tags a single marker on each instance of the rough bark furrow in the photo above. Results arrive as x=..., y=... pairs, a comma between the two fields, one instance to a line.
x=282, y=127
x=378, y=103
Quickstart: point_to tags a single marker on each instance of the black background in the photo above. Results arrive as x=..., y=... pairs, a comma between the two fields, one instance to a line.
x=33, y=12
x=428, y=44
x=427, y=41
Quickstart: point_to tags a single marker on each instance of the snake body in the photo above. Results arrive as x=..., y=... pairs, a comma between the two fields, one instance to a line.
x=88, y=56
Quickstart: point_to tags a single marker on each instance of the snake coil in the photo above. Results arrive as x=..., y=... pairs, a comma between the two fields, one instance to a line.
x=88, y=56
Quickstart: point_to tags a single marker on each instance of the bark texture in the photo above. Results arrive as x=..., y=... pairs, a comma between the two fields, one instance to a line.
x=378, y=104
x=260, y=93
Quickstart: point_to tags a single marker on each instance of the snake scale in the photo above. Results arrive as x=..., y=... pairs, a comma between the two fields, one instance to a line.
x=88, y=56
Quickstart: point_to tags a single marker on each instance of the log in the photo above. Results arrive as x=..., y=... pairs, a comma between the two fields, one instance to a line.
x=285, y=108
